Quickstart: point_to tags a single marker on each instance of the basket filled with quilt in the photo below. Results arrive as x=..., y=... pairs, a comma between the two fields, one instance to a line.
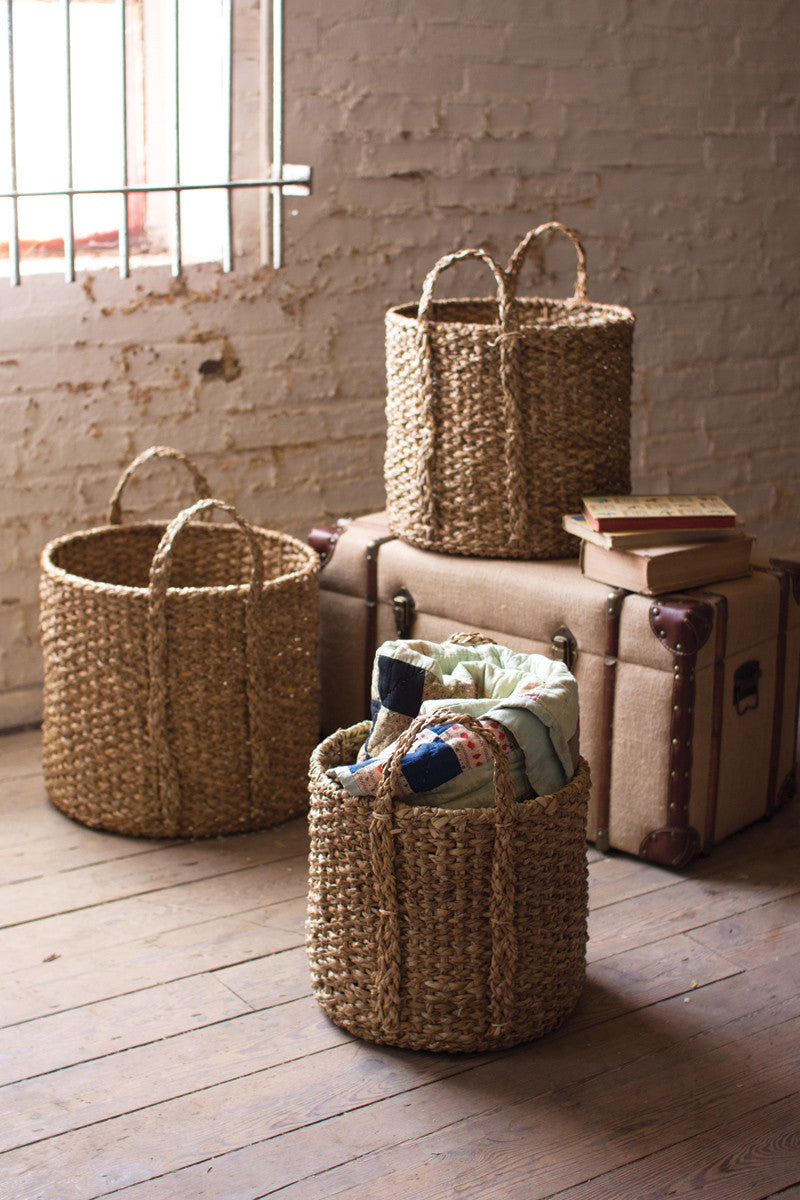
x=447, y=895
x=180, y=671
x=502, y=413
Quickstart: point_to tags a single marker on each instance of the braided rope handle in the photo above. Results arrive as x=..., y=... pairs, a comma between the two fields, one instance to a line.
x=470, y=638
x=166, y=771
x=511, y=387
x=504, y=300
x=519, y=255
x=202, y=489
x=515, y=458
x=503, y=885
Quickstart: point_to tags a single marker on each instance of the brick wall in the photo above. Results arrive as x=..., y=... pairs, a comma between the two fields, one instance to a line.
x=666, y=132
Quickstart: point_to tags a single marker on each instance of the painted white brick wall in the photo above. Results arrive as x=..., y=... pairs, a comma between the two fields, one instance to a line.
x=667, y=133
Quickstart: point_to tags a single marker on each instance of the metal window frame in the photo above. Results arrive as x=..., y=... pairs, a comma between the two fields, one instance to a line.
x=279, y=179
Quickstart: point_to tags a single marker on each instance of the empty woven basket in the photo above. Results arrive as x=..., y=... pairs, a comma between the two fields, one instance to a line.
x=181, y=679
x=503, y=413
x=439, y=929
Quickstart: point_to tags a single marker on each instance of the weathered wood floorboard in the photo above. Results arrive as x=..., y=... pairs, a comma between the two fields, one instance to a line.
x=159, y=1040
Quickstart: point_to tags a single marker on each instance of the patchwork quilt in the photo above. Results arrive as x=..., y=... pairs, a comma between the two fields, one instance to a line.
x=530, y=702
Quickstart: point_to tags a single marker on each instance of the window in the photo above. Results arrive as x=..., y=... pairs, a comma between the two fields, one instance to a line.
x=117, y=125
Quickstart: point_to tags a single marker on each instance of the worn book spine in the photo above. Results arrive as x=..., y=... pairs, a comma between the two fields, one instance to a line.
x=634, y=539
x=665, y=568
x=618, y=513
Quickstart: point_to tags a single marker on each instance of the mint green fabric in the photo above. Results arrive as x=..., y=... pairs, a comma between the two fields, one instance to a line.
x=534, y=698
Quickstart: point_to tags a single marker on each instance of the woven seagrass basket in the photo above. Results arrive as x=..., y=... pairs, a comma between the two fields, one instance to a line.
x=502, y=413
x=435, y=929
x=180, y=672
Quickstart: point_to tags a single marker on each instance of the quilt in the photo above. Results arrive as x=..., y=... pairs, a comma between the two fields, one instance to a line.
x=530, y=702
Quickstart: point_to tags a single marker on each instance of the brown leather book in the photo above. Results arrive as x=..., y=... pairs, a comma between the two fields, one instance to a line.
x=653, y=570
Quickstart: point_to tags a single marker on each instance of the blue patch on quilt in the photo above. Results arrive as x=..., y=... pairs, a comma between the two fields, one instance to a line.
x=400, y=686
x=430, y=764
x=528, y=701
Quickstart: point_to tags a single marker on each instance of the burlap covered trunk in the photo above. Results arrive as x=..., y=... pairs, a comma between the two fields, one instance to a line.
x=738, y=664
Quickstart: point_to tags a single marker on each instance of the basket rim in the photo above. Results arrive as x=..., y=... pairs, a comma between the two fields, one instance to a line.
x=49, y=567
x=618, y=313
x=524, y=809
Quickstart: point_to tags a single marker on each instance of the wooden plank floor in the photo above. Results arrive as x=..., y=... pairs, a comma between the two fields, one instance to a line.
x=158, y=1039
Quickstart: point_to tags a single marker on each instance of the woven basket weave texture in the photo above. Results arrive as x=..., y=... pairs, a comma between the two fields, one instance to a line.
x=181, y=678
x=502, y=413
x=445, y=930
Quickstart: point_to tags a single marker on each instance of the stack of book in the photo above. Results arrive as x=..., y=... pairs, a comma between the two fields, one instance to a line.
x=656, y=544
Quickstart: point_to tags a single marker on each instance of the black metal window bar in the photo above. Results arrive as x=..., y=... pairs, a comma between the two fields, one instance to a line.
x=282, y=178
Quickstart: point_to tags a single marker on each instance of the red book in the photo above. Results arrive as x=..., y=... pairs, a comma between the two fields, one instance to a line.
x=657, y=512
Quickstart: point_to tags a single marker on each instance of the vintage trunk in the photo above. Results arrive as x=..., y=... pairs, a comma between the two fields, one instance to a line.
x=689, y=702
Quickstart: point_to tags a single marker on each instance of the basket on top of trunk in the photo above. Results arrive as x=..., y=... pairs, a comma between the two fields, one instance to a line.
x=502, y=413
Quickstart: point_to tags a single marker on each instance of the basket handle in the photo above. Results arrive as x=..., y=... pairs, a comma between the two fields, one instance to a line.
x=503, y=297
x=202, y=489
x=166, y=770
x=470, y=637
x=503, y=885
x=518, y=258
x=512, y=416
